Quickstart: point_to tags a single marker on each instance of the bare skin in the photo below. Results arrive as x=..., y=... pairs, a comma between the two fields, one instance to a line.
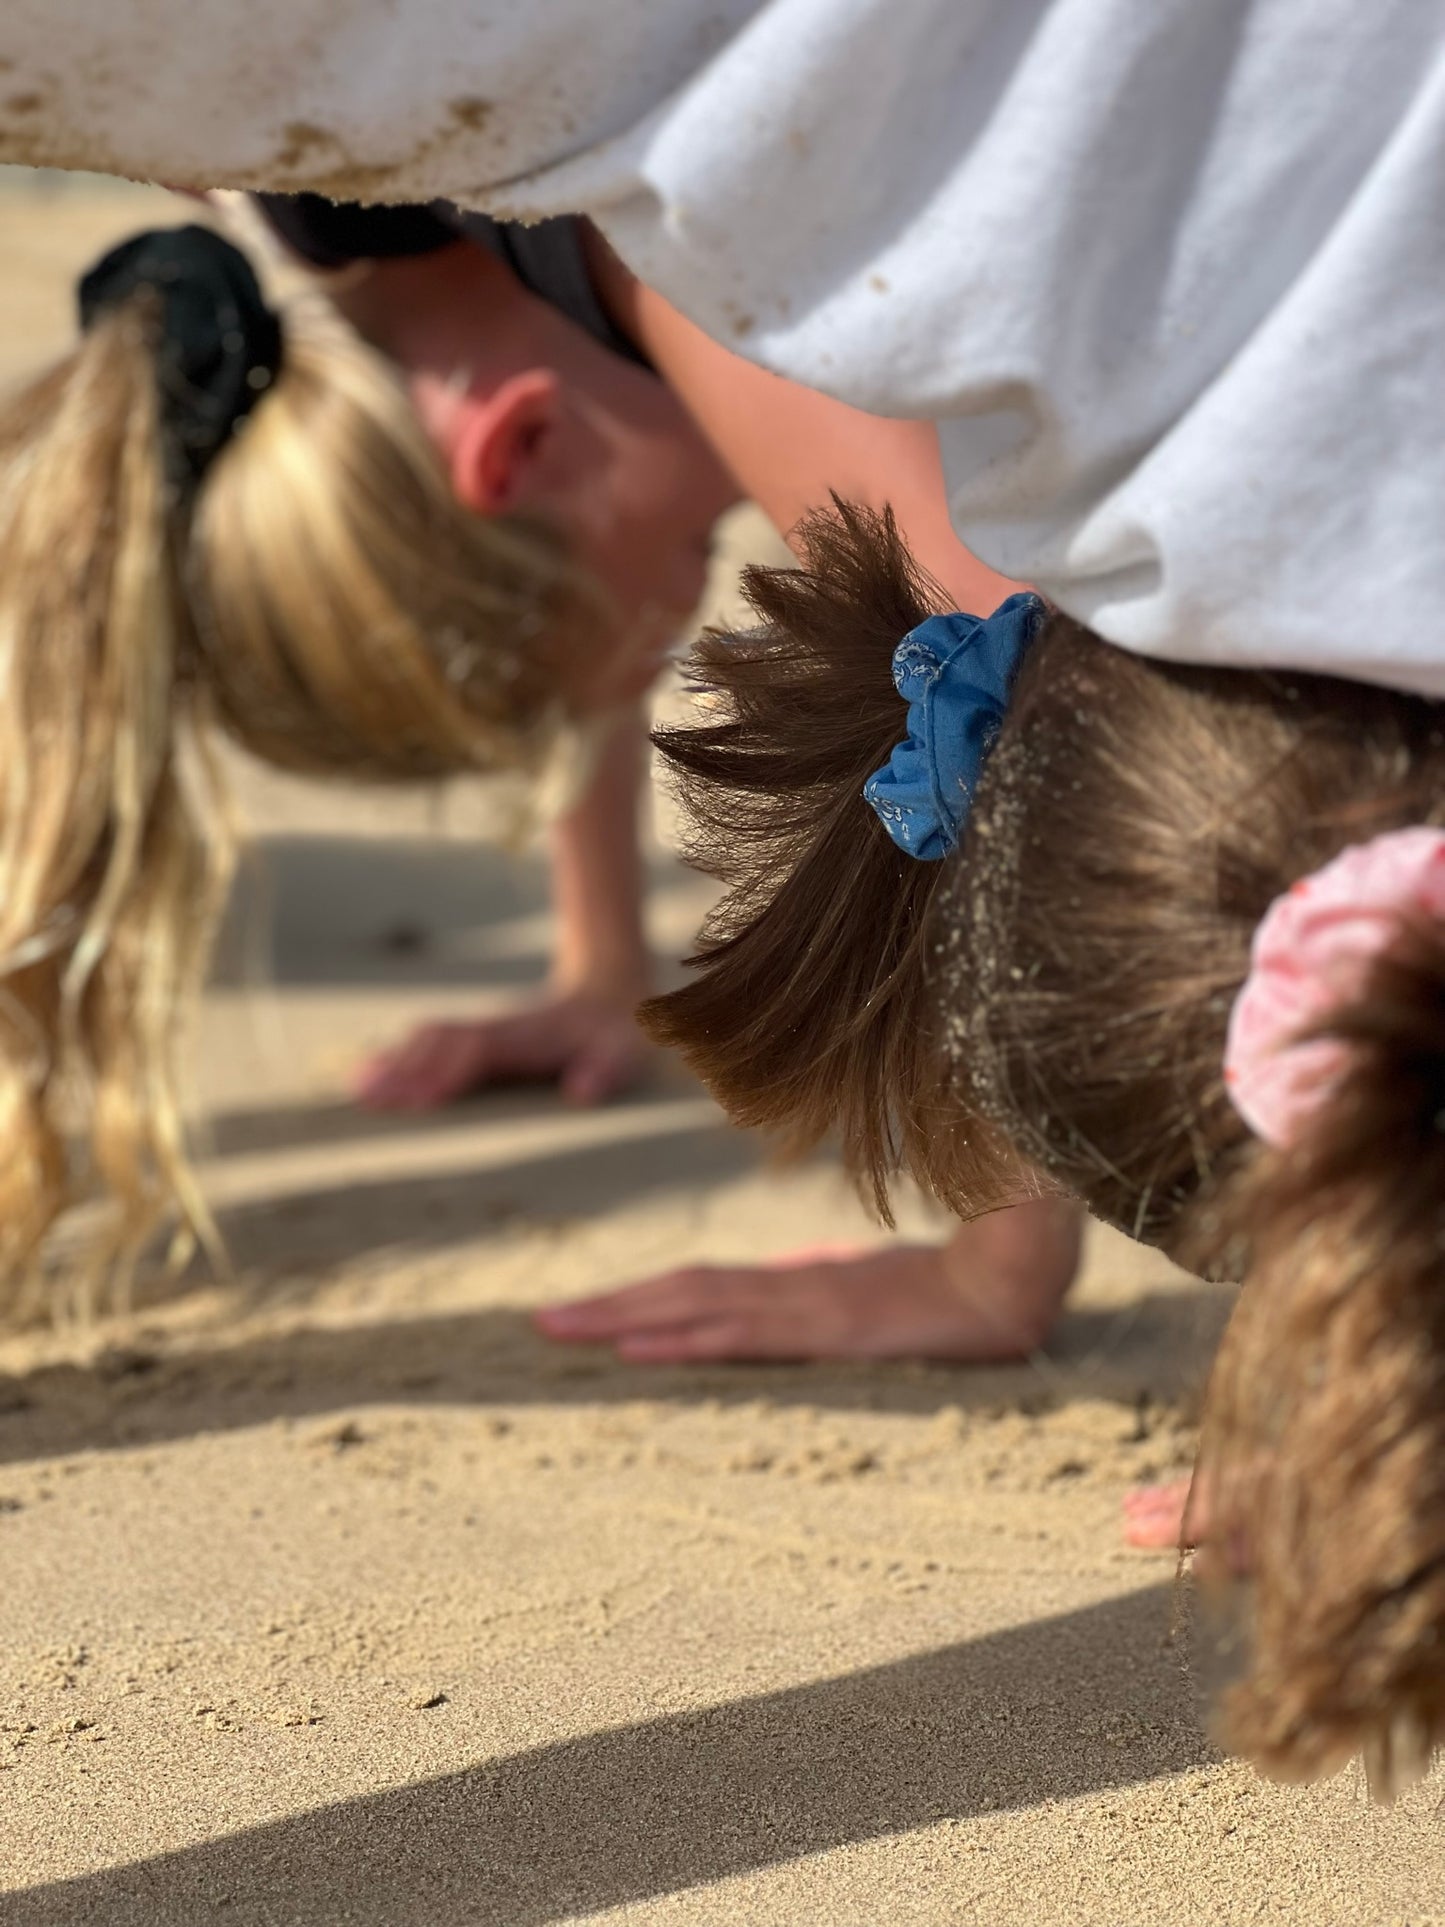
x=579, y=1032
x=589, y=1048
x=988, y=1295
x=1161, y=1518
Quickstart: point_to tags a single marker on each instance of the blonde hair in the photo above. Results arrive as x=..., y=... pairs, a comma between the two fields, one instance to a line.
x=326, y=601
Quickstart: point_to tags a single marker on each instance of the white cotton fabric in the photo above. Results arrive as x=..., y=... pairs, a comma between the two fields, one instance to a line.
x=1169, y=274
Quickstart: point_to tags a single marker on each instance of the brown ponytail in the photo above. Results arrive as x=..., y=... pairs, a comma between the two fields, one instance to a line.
x=809, y=1010
x=1324, y=1451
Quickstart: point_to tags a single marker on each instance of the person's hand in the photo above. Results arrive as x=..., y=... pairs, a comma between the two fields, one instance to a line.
x=1178, y=1515
x=990, y=1294
x=588, y=1045
x=1154, y=1516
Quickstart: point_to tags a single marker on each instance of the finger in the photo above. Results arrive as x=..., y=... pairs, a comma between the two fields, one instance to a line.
x=1153, y=1498
x=438, y=1064
x=1154, y=1517
x=460, y=1059
x=389, y=1071
x=473, y=1057
x=1153, y=1534
x=672, y=1298
x=715, y=1341
x=824, y=1254
x=600, y=1071
x=409, y=1082
x=369, y=1083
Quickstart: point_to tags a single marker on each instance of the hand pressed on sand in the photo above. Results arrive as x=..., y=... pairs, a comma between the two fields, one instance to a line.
x=990, y=1294
x=588, y=1045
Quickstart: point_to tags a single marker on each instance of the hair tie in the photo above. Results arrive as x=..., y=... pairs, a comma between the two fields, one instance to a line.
x=1312, y=954
x=955, y=673
x=220, y=345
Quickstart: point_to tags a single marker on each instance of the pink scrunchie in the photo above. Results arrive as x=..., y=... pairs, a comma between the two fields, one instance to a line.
x=1311, y=954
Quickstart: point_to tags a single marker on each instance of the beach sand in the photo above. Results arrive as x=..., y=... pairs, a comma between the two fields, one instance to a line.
x=333, y=1594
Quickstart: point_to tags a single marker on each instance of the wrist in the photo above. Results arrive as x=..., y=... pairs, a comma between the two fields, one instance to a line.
x=622, y=978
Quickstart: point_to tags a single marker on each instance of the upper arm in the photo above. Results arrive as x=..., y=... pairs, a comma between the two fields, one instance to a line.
x=789, y=447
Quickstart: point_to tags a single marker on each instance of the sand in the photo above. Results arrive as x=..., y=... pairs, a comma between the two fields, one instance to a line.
x=335, y=1595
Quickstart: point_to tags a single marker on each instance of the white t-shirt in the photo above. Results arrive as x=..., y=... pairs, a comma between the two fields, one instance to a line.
x=1169, y=274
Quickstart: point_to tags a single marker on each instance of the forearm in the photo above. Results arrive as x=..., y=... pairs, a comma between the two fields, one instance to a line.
x=790, y=448
x=597, y=875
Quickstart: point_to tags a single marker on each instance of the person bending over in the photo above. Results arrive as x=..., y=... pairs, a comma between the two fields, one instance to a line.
x=466, y=552
x=553, y=334
x=1018, y=911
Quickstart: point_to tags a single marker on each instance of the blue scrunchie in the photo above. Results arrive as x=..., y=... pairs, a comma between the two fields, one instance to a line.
x=955, y=673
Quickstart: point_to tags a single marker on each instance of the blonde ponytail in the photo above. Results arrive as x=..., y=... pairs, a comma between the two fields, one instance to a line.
x=319, y=594
x=107, y=878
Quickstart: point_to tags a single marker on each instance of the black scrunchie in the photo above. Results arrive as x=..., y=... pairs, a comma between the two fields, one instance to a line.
x=220, y=345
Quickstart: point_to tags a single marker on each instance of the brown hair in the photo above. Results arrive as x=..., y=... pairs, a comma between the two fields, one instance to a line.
x=1053, y=997
x=325, y=600
x=808, y=1011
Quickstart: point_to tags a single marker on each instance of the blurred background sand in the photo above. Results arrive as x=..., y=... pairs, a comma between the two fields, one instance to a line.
x=335, y=1595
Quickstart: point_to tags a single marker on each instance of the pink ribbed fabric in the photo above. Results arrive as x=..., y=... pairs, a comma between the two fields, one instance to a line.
x=1311, y=954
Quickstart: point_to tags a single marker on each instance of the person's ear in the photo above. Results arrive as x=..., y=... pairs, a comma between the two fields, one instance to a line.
x=503, y=439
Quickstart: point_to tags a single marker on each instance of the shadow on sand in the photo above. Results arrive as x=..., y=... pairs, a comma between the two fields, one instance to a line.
x=400, y=912
x=494, y=1357
x=283, y=1247
x=654, y=1808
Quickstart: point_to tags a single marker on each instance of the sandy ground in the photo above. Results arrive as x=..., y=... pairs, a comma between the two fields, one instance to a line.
x=334, y=1595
